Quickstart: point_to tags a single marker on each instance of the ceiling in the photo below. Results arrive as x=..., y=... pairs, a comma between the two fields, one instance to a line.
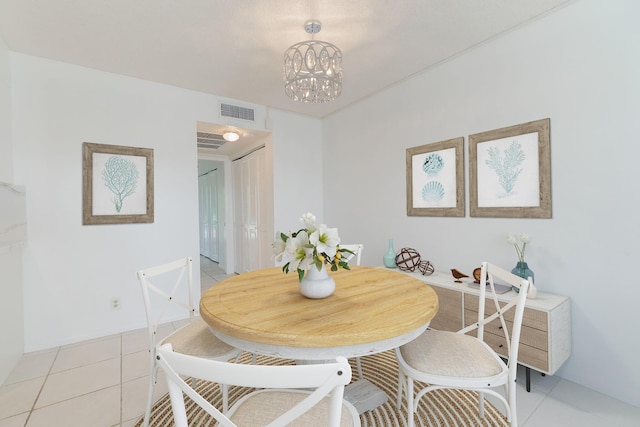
x=234, y=48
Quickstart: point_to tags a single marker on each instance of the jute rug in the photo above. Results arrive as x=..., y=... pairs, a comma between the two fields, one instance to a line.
x=438, y=408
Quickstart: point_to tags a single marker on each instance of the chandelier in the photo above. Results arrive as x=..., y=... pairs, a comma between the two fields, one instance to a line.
x=313, y=69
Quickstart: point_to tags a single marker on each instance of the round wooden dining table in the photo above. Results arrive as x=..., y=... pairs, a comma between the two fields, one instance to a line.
x=372, y=310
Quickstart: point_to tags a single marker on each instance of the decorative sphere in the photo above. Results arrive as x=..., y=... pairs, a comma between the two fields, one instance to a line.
x=426, y=268
x=407, y=259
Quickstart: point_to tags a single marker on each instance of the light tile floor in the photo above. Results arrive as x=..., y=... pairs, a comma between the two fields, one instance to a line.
x=103, y=383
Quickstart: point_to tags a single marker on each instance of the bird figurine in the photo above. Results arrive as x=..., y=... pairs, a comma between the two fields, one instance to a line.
x=458, y=275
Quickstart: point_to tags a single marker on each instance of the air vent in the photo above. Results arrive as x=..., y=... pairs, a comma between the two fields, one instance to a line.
x=210, y=140
x=236, y=112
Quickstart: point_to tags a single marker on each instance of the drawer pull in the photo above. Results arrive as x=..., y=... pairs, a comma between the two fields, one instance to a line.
x=500, y=346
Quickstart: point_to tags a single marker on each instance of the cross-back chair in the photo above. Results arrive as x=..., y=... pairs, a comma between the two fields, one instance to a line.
x=166, y=284
x=300, y=395
x=461, y=360
x=357, y=253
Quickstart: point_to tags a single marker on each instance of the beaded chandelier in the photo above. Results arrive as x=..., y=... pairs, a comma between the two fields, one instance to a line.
x=313, y=69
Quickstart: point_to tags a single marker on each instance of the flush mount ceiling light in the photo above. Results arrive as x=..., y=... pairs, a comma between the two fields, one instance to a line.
x=231, y=136
x=313, y=69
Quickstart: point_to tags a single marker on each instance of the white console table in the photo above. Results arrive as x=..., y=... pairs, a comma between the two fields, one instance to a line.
x=545, y=340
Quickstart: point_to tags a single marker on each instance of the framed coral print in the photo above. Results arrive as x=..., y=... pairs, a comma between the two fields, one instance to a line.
x=435, y=179
x=510, y=172
x=117, y=184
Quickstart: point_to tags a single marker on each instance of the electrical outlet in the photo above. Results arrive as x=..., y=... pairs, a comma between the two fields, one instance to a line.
x=115, y=303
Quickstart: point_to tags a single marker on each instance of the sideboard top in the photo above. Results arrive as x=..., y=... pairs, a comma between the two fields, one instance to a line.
x=543, y=301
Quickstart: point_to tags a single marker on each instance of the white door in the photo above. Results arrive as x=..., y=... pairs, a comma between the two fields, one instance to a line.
x=253, y=203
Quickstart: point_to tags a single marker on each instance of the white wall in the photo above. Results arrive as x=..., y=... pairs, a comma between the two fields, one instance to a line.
x=72, y=271
x=12, y=233
x=578, y=66
x=297, y=169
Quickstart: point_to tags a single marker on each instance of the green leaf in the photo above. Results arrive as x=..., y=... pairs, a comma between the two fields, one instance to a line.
x=300, y=274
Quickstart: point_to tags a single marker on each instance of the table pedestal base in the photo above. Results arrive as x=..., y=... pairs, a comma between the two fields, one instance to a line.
x=364, y=395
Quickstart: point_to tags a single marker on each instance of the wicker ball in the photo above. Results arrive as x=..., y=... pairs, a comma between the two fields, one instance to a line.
x=407, y=259
x=426, y=268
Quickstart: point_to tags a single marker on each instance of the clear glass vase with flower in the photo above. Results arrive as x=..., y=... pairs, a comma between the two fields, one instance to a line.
x=522, y=269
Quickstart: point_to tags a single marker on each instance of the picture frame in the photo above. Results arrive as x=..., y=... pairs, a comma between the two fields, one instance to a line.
x=510, y=171
x=117, y=184
x=435, y=179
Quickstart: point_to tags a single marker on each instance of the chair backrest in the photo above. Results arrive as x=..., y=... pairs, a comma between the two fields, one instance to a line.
x=490, y=309
x=327, y=379
x=357, y=252
x=166, y=283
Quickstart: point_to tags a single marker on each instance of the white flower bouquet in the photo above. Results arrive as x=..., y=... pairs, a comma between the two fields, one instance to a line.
x=523, y=239
x=313, y=245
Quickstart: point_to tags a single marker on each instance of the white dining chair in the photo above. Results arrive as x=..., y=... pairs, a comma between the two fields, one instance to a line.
x=354, y=258
x=170, y=285
x=303, y=395
x=357, y=253
x=464, y=359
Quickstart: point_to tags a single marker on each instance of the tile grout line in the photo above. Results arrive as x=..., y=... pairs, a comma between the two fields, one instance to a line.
x=46, y=377
x=121, y=354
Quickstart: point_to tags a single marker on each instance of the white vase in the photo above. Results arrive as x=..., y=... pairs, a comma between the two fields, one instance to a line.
x=317, y=284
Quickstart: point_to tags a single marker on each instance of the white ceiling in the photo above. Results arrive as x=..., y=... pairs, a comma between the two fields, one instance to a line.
x=234, y=48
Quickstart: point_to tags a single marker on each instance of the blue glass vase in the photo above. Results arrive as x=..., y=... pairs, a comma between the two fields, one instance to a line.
x=389, y=259
x=522, y=270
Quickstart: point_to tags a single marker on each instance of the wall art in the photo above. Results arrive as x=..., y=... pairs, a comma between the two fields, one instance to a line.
x=435, y=179
x=117, y=184
x=510, y=171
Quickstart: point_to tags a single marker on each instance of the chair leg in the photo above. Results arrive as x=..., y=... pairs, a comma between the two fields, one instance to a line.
x=400, y=387
x=147, y=411
x=359, y=368
x=410, y=402
x=481, y=405
x=511, y=398
x=224, y=389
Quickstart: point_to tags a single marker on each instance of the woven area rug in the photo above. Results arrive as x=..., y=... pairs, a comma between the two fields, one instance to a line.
x=438, y=408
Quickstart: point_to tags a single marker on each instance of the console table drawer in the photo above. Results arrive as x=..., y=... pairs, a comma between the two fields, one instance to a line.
x=527, y=355
x=532, y=337
x=533, y=318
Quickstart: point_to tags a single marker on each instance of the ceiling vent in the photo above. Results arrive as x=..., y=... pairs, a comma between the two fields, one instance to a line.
x=236, y=112
x=210, y=141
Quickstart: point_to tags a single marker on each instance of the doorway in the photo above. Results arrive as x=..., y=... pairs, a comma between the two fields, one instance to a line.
x=223, y=186
x=211, y=210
